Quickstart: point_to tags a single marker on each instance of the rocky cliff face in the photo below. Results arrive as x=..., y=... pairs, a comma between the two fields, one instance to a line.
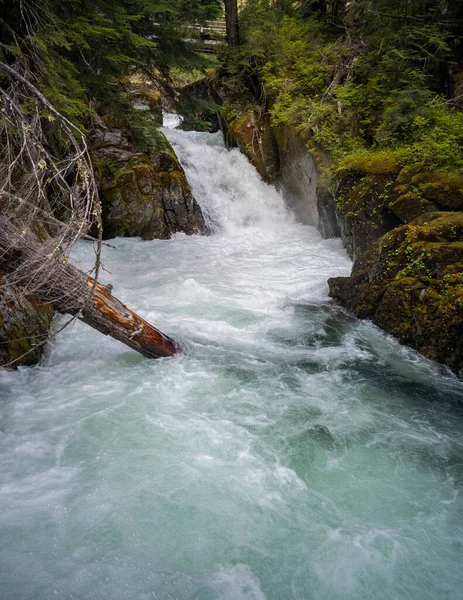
x=410, y=283
x=374, y=198
x=143, y=194
x=283, y=158
x=24, y=326
x=404, y=232
x=311, y=199
x=247, y=126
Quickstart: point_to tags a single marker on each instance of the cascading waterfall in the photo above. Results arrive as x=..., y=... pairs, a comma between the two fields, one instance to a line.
x=290, y=451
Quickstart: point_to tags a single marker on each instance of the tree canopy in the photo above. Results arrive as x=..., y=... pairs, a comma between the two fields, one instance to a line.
x=358, y=76
x=79, y=51
x=64, y=64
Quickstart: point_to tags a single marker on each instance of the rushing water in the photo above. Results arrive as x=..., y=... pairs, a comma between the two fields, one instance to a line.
x=290, y=451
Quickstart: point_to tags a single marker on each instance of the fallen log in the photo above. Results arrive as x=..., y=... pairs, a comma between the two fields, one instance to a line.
x=44, y=272
x=109, y=316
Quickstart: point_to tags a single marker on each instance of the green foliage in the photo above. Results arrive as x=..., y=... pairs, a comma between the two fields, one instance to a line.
x=81, y=50
x=375, y=163
x=364, y=80
x=436, y=139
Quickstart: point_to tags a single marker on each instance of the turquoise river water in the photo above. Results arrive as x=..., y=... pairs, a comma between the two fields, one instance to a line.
x=289, y=452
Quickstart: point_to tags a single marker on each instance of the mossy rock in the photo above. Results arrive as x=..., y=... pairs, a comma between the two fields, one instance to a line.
x=369, y=204
x=410, y=205
x=410, y=283
x=445, y=189
x=385, y=162
x=363, y=208
x=24, y=327
x=145, y=194
x=248, y=127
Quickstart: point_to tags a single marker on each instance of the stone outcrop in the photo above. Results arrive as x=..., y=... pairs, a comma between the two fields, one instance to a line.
x=24, y=326
x=407, y=245
x=309, y=196
x=143, y=194
x=248, y=128
x=410, y=283
x=375, y=197
x=404, y=231
x=282, y=157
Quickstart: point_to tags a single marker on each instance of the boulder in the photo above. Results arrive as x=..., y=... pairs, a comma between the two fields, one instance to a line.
x=144, y=194
x=375, y=196
x=410, y=283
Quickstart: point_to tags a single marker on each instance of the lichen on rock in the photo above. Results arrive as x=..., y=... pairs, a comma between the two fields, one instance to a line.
x=410, y=283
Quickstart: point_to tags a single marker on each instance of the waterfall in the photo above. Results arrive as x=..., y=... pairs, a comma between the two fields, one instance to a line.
x=290, y=451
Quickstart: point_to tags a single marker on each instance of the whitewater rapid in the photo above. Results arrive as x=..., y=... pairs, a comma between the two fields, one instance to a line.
x=290, y=451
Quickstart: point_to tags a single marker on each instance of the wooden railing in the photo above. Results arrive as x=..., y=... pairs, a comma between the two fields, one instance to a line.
x=209, y=37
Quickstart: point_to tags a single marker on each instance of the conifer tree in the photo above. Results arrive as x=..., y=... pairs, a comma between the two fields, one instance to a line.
x=61, y=61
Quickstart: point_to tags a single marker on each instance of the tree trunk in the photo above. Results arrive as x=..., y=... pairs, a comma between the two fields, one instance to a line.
x=231, y=22
x=109, y=316
x=70, y=291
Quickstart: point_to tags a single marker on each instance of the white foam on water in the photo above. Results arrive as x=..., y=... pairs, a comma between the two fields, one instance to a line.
x=290, y=451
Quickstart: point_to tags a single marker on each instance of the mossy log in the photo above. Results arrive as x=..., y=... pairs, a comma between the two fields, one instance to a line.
x=49, y=276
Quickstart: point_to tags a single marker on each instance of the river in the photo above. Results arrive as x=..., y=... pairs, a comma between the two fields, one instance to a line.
x=289, y=452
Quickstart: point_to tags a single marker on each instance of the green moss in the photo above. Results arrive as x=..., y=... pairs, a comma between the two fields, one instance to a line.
x=168, y=178
x=145, y=194
x=444, y=188
x=24, y=325
x=385, y=162
x=409, y=206
x=411, y=285
x=240, y=125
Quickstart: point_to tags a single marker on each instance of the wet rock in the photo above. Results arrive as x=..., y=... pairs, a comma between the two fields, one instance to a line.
x=298, y=177
x=322, y=434
x=410, y=283
x=145, y=194
x=248, y=128
x=24, y=326
x=327, y=218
